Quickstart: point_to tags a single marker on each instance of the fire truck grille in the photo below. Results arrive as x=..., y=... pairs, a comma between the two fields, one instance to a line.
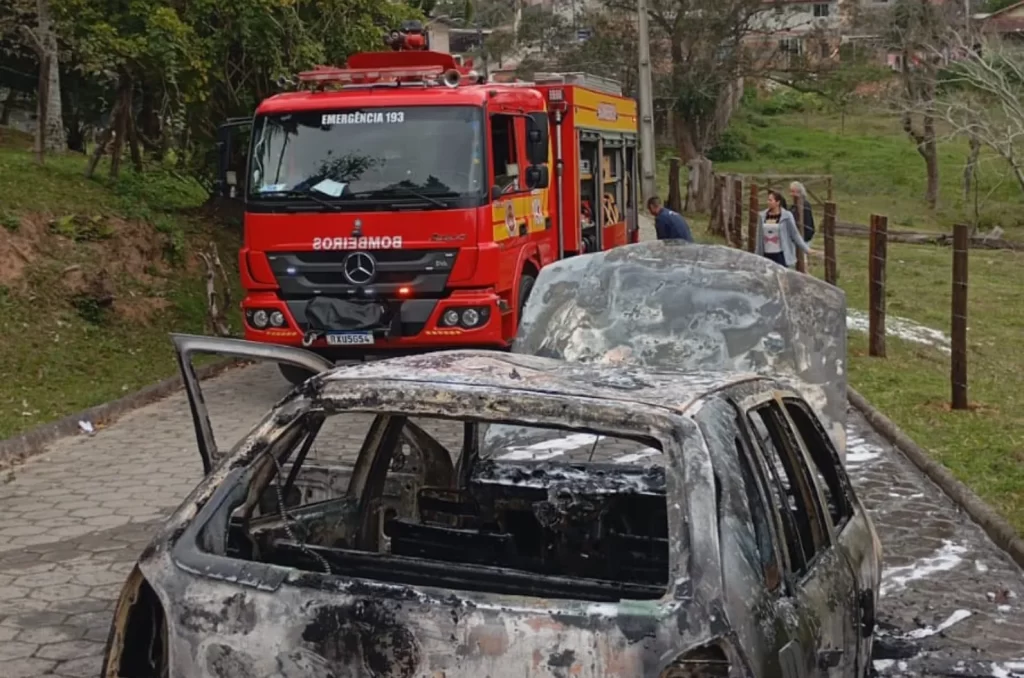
x=303, y=275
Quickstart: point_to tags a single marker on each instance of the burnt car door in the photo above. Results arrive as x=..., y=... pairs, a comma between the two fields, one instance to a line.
x=819, y=582
x=333, y=461
x=187, y=346
x=855, y=537
x=758, y=609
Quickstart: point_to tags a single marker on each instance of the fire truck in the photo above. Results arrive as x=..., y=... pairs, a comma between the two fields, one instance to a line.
x=403, y=203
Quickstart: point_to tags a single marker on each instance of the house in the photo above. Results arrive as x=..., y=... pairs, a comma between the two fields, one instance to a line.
x=1007, y=22
x=791, y=30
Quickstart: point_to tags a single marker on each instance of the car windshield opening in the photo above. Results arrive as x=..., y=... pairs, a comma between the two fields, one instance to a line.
x=425, y=153
x=501, y=508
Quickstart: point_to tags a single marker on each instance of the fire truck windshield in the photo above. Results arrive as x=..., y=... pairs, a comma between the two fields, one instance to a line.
x=428, y=156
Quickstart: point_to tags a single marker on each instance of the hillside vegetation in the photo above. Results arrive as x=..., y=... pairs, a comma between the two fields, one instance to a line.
x=93, y=276
x=875, y=166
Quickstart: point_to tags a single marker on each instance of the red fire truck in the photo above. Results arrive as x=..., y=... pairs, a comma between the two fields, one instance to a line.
x=403, y=203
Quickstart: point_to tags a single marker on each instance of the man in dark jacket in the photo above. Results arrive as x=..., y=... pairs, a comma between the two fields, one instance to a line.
x=668, y=224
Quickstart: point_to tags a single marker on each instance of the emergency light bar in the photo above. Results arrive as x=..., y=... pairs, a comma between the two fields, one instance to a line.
x=326, y=75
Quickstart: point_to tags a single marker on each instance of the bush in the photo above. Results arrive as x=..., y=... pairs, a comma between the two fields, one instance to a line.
x=732, y=145
x=784, y=101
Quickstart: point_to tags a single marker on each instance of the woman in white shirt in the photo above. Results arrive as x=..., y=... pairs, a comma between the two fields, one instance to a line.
x=777, y=235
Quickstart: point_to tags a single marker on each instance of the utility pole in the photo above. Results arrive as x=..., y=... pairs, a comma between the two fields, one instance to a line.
x=648, y=187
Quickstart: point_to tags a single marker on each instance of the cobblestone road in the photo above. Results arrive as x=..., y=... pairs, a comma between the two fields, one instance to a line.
x=75, y=518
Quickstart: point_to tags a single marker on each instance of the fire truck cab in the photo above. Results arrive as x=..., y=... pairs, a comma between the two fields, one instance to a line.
x=403, y=203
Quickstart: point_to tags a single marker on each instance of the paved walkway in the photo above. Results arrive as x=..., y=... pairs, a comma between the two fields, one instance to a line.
x=76, y=517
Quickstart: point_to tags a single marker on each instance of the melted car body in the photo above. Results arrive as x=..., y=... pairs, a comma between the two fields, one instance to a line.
x=475, y=513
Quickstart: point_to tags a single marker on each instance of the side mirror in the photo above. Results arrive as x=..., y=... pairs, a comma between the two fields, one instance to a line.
x=537, y=176
x=496, y=193
x=537, y=138
x=227, y=179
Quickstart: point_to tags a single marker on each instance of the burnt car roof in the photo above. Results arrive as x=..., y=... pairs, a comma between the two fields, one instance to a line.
x=493, y=369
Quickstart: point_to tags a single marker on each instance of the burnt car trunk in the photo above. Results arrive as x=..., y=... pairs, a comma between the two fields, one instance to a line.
x=671, y=305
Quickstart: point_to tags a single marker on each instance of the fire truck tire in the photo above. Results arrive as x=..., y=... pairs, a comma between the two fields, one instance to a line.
x=295, y=375
x=525, y=287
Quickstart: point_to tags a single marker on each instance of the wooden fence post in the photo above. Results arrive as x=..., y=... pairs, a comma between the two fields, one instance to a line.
x=958, y=362
x=736, y=226
x=829, y=228
x=714, y=225
x=675, y=197
x=752, y=219
x=798, y=212
x=876, y=285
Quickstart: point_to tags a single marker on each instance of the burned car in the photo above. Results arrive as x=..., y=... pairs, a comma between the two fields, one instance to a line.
x=478, y=513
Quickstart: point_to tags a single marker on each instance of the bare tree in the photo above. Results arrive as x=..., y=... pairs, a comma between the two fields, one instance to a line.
x=50, y=134
x=917, y=32
x=981, y=97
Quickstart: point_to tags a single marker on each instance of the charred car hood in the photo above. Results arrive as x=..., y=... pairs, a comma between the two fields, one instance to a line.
x=670, y=305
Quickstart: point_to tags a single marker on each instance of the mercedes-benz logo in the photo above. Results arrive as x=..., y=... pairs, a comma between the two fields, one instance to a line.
x=359, y=268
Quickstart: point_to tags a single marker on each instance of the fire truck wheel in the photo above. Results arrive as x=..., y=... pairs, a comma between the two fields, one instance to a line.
x=295, y=375
x=525, y=287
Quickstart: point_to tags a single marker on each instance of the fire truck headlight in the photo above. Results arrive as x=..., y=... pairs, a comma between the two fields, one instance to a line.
x=277, y=319
x=451, y=318
x=259, y=319
x=470, y=317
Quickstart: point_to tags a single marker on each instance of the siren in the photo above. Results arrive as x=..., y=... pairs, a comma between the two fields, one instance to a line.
x=452, y=78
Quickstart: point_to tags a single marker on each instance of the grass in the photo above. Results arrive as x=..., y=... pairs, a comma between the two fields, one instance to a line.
x=875, y=169
x=983, y=447
x=61, y=349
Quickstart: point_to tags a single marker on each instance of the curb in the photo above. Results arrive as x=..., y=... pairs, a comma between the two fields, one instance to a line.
x=994, y=525
x=31, y=442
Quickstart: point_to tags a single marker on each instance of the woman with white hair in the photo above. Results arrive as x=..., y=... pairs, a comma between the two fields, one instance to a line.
x=797, y=191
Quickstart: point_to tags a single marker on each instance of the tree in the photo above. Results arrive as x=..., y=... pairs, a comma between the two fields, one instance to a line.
x=173, y=70
x=35, y=25
x=706, y=41
x=980, y=96
x=917, y=32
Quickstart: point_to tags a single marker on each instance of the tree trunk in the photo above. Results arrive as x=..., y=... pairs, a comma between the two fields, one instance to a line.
x=5, y=112
x=56, y=140
x=42, y=103
x=930, y=152
x=971, y=166
x=120, y=126
x=699, y=185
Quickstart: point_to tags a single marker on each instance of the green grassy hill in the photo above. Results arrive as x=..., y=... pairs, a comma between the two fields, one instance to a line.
x=875, y=167
x=93, y=276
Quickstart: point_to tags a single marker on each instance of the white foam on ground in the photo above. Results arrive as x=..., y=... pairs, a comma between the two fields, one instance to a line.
x=957, y=616
x=1008, y=669
x=858, y=450
x=908, y=330
x=943, y=560
x=549, y=449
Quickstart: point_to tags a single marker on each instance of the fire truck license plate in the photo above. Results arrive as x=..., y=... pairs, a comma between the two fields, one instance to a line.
x=350, y=339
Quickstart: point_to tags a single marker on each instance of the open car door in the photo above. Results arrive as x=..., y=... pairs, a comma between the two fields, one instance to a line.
x=674, y=306
x=187, y=345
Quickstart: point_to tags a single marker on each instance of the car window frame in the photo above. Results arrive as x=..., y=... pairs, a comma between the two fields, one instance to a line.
x=748, y=457
x=845, y=484
x=774, y=399
x=728, y=417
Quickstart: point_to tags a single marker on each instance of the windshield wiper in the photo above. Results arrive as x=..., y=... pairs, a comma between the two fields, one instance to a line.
x=305, y=194
x=404, y=189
